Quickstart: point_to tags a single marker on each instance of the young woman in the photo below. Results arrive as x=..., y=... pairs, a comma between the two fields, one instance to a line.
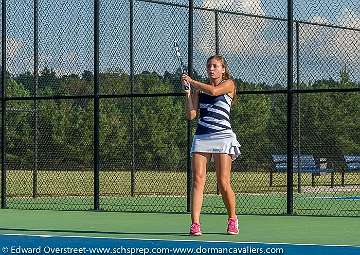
x=213, y=139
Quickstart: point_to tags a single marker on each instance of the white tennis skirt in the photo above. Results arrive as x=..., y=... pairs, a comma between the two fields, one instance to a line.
x=219, y=142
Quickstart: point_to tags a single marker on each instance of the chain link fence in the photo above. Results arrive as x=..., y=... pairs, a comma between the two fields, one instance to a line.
x=93, y=112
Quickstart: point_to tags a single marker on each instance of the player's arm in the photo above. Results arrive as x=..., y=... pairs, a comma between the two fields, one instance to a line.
x=226, y=87
x=192, y=104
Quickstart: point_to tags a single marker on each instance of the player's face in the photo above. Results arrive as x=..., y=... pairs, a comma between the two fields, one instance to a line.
x=215, y=69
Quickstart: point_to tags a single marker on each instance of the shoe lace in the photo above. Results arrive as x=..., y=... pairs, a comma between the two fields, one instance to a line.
x=232, y=223
x=195, y=226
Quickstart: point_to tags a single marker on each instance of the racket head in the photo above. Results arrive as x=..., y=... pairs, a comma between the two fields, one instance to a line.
x=178, y=56
x=182, y=67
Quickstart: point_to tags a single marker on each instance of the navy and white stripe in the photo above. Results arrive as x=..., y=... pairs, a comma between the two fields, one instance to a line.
x=214, y=114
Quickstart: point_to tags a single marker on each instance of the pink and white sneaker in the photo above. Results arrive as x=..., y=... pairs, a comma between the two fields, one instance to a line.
x=233, y=226
x=195, y=229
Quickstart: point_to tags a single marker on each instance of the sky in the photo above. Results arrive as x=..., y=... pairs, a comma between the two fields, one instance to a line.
x=255, y=48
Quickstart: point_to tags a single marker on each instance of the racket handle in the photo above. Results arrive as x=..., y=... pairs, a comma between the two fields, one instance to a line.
x=186, y=86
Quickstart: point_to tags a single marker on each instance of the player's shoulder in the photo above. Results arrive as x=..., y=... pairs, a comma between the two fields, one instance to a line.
x=230, y=82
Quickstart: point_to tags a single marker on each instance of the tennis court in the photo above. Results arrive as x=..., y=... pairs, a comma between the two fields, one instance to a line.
x=295, y=235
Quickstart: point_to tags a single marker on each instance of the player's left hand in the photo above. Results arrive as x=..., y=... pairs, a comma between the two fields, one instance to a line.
x=186, y=79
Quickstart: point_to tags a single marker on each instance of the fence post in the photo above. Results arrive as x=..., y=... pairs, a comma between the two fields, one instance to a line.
x=217, y=51
x=298, y=105
x=96, y=106
x=290, y=79
x=35, y=89
x=217, y=47
x=190, y=72
x=3, y=103
x=132, y=180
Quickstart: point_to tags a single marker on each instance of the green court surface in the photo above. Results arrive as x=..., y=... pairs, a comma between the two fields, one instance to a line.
x=266, y=229
x=307, y=203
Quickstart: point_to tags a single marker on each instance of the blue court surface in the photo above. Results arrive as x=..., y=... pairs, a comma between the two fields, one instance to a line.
x=44, y=244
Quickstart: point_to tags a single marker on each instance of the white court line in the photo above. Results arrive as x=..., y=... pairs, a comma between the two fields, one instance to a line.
x=354, y=198
x=211, y=241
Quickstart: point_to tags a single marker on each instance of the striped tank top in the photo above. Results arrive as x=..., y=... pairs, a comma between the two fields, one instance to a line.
x=214, y=114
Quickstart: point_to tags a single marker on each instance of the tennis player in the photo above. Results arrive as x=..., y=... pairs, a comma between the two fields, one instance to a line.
x=214, y=139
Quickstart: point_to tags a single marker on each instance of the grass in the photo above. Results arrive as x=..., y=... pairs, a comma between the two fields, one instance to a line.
x=166, y=191
x=19, y=183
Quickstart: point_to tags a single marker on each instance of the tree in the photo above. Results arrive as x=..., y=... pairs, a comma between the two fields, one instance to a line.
x=48, y=81
x=26, y=79
x=251, y=115
x=19, y=128
x=114, y=83
x=160, y=130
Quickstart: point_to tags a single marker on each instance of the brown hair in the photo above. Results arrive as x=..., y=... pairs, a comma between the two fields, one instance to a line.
x=226, y=75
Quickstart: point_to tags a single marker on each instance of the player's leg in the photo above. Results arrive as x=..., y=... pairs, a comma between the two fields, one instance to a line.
x=199, y=164
x=223, y=174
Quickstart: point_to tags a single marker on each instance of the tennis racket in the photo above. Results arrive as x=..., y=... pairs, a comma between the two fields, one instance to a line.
x=182, y=66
